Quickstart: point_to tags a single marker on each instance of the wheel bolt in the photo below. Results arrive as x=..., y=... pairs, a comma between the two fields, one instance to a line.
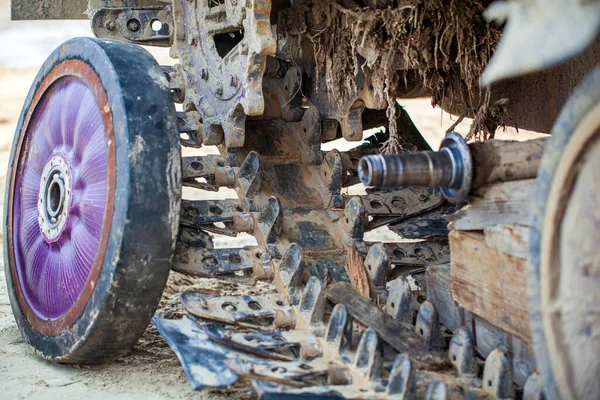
x=212, y=261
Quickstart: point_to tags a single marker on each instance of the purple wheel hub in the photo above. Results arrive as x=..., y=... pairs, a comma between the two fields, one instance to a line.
x=59, y=197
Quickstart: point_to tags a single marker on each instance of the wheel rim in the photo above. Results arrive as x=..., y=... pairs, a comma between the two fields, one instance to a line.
x=59, y=199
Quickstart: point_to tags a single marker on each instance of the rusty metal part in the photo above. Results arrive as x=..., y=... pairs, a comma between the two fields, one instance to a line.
x=277, y=345
x=450, y=168
x=386, y=261
x=428, y=325
x=428, y=225
x=212, y=170
x=291, y=201
x=456, y=167
x=341, y=109
x=400, y=301
x=242, y=265
x=462, y=352
x=175, y=80
x=345, y=109
x=258, y=312
x=150, y=26
x=396, y=334
x=437, y=391
x=497, y=375
x=315, y=358
x=400, y=203
x=223, y=48
x=187, y=123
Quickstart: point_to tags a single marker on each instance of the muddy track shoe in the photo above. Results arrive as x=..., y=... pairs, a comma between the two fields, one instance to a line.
x=93, y=199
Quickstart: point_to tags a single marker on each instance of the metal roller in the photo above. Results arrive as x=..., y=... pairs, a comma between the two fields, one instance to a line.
x=450, y=168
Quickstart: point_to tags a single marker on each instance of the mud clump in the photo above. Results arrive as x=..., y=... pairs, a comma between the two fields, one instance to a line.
x=447, y=43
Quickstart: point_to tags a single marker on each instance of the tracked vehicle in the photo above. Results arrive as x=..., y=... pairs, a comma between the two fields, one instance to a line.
x=490, y=285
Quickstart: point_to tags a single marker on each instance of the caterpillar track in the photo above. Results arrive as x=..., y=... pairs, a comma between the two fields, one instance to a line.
x=317, y=336
x=290, y=199
x=299, y=98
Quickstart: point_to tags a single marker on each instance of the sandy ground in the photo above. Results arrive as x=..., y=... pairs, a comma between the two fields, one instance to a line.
x=151, y=370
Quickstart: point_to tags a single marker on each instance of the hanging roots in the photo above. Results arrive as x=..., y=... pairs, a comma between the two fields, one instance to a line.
x=448, y=43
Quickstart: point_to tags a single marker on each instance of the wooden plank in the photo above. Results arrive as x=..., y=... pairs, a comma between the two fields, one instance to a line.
x=509, y=239
x=503, y=160
x=495, y=204
x=438, y=293
x=489, y=283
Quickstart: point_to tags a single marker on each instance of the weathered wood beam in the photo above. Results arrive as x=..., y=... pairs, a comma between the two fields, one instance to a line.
x=495, y=204
x=489, y=283
x=503, y=160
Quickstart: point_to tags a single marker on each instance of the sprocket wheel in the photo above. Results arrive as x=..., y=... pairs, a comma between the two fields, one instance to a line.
x=223, y=47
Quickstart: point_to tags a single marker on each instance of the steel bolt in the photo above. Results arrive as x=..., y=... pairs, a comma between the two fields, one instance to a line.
x=233, y=81
x=210, y=260
x=204, y=74
x=398, y=203
x=219, y=91
x=133, y=25
x=110, y=25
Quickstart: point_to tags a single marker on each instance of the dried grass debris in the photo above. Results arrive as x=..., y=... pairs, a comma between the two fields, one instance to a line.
x=448, y=42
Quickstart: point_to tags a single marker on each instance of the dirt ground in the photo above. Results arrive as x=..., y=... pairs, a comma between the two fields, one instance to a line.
x=151, y=370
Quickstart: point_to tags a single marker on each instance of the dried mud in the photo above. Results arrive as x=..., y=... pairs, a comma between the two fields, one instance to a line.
x=448, y=43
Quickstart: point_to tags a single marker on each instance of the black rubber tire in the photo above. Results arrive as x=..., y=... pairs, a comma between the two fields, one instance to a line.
x=147, y=201
x=581, y=102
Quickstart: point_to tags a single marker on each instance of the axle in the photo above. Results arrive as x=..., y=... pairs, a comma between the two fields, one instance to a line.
x=456, y=168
